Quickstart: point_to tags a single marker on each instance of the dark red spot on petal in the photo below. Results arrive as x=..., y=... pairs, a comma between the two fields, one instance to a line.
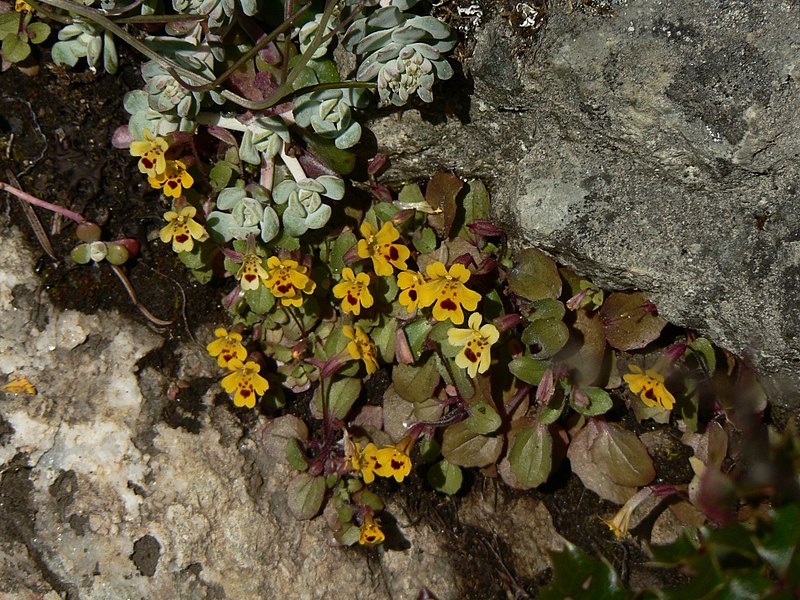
x=245, y=392
x=448, y=304
x=250, y=277
x=396, y=464
x=471, y=356
x=412, y=294
x=284, y=288
x=650, y=393
x=393, y=253
x=351, y=299
x=148, y=164
x=181, y=238
x=172, y=184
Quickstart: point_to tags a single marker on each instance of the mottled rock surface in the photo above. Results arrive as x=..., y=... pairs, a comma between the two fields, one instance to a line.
x=655, y=147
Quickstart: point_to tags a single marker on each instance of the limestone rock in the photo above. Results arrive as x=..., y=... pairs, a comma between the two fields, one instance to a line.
x=653, y=148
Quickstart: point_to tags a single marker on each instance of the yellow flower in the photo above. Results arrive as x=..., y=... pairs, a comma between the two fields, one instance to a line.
x=362, y=461
x=251, y=272
x=226, y=347
x=447, y=290
x=410, y=282
x=244, y=382
x=22, y=6
x=371, y=533
x=19, y=385
x=379, y=247
x=361, y=347
x=475, y=356
x=181, y=228
x=173, y=180
x=621, y=522
x=650, y=387
x=151, y=150
x=288, y=281
x=353, y=291
x=393, y=462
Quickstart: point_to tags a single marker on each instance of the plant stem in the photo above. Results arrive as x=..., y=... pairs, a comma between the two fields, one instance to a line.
x=78, y=218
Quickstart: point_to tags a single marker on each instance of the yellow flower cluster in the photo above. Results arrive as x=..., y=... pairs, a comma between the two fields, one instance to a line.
x=244, y=381
x=371, y=533
x=389, y=461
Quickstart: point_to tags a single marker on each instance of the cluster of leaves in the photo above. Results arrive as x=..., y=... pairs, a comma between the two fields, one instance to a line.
x=18, y=31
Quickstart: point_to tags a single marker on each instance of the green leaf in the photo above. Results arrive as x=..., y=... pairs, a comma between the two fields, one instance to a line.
x=15, y=50
x=779, y=547
x=341, y=246
x=410, y=194
x=384, y=337
x=384, y=211
x=220, y=175
x=38, y=32
x=576, y=574
x=341, y=161
x=426, y=241
x=81, y=254
x=203, y=276
x=534, y=276
x=627, y=323
x=462, y=446
x=445, y=478
x=416, y=333
x=260, y=300
x=531, y=456
x=295, y=456
x=706, y=353
x=305, y=496
x=416, y=383
x=547, y=308
x=475, y=206
x=9, y=24
x=599, y=402
x=483, y=418
x=527, y=369
x=341, y=395
x=546, y=337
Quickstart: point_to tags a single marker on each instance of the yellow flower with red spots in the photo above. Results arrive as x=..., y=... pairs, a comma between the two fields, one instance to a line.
x=381, y=249
x=152, y=151
x=361, y=347
x=447, y=292
x=244, y=382
x=393, y=461
x=410, y=282
x=363, y=461
x=22, y=6
x=475, y=356
x=226, y=347
x=371, y=533
x=650, y=386
x=173, y=180
x=288, y=281
x=251, y=272
x=182, y=229
x=353, y=291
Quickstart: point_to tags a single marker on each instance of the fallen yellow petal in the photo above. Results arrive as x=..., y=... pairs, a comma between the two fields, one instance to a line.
x=19, y=385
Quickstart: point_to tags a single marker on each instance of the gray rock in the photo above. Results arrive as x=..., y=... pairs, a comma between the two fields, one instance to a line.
x=656, y=149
